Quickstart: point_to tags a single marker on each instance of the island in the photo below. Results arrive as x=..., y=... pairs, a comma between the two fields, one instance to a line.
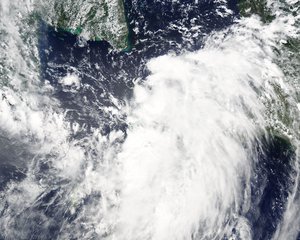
x=93, y=19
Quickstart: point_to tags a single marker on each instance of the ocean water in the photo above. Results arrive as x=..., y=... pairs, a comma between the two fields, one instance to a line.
x=192, y=134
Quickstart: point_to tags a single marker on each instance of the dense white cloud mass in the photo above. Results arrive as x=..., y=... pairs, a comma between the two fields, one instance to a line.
x=184, y=168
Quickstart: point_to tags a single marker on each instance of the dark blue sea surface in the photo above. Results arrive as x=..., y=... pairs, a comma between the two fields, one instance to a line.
x=160, y=28
x=156, y=28
x=270, y=186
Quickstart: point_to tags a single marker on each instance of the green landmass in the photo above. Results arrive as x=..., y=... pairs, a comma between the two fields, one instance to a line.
x=94, y=19
x=287, y=53
x=259, y=7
